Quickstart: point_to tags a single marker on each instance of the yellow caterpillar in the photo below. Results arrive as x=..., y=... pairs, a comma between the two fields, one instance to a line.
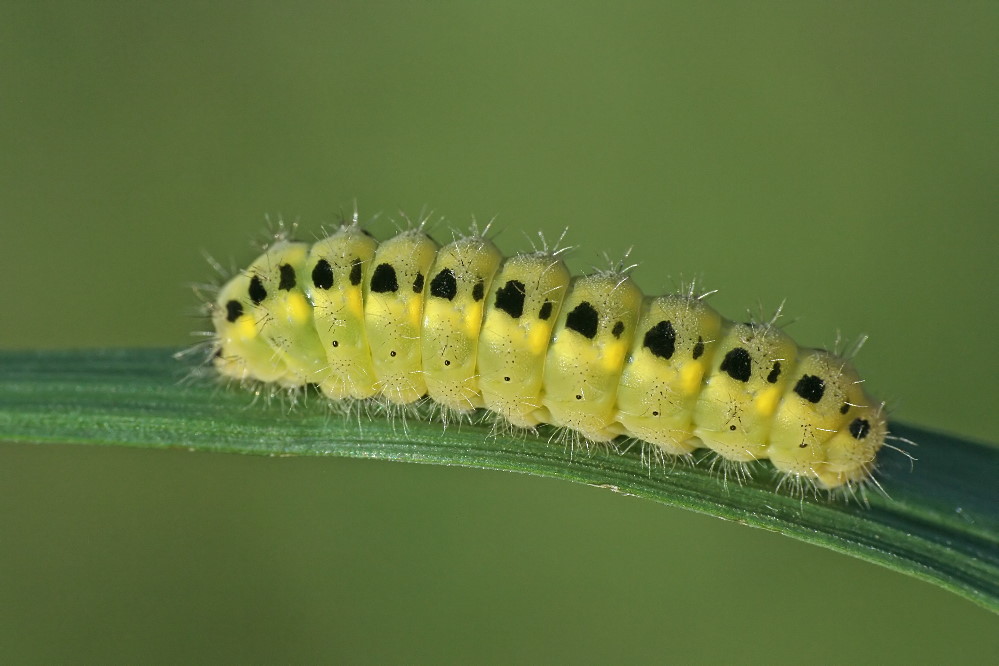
x=521, y=337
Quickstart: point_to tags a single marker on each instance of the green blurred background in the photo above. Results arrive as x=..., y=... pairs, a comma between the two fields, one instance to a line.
x=841, y=156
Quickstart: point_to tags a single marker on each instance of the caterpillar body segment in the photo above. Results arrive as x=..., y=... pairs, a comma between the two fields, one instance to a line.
x=522, y=308
x=405, y=318
x=587, y=354
x=240, y=351
x=811, y=411
x=284, y=313
x=669, y=358
x=393, y=314
x=339, y=266
x=735, y=408
x=460, y=279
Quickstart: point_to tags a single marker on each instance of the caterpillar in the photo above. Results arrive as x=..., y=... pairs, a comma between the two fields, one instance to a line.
x=406, y=320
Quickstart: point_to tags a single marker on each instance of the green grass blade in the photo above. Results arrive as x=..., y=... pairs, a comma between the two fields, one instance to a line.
x=941, y=523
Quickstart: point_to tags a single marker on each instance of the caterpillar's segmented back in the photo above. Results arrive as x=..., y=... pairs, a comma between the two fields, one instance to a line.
x=406, y=318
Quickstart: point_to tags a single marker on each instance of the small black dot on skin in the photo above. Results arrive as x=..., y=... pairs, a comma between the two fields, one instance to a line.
x=583, y=320
x=579, y=397
x=774, y=373
x=506, y=379
x=655, y=413
x=392, y=353
x=803, y=445
x=618, y=329
x=384, y=279
x=444, y=285
x=845, y=408
x=233, y=311
x=355, y=272
x=322, y=275
x=699, y=348
x=661, y=340
x=859, y=428
x=287, y=278
x=336, y=343
x=510, y=298
x=257, y=291
x=479, y=291
x=737, y=364
x=418, y=284
x=545, y=313
x=731, y=427
x=447, y=362
x=811, y=388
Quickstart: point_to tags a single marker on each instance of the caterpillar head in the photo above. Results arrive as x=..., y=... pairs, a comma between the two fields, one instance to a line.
x=851, y=452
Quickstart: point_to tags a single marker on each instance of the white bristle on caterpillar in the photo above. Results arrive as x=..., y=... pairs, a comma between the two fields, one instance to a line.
x=405, y=319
